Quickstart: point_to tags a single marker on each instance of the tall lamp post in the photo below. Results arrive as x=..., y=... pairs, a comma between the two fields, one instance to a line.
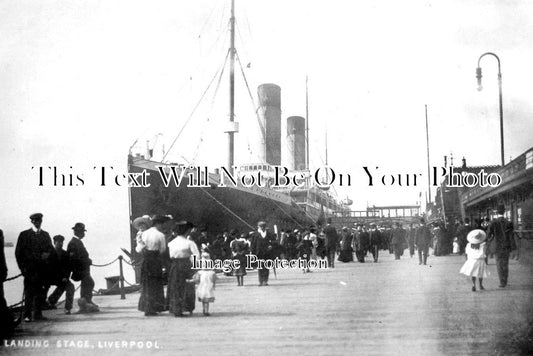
x=480, y=87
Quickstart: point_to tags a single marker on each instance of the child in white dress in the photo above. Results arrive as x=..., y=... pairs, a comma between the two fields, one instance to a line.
x=205, y=289
x=475, y=265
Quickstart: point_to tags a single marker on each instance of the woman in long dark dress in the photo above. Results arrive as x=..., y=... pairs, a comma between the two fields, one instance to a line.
x=181, y=294
x=346, y=254
x=152, y=244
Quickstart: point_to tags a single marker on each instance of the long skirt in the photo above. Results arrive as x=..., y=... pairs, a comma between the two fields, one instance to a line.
x=152, y=298
x=346, y=255
x=181, y=296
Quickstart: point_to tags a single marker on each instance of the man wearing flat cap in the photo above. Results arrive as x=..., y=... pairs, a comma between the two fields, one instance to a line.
x=262, y=247
x=81, y=268
x=33, y=252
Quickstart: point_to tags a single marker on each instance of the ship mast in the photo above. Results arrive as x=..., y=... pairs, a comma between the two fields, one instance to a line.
x=306, y=125
x=233, y=126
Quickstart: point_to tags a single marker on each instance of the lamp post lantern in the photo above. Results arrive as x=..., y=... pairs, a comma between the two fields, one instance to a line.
x=480, y=87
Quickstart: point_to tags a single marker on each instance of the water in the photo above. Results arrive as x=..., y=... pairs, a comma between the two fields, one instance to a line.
x=13, y=289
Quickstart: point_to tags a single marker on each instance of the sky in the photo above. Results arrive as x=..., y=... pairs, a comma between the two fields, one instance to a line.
x=82, y=82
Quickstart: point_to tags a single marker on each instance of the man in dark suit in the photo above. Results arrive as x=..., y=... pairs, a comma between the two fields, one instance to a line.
x=375, y=241
x=332, y=238
x=61, y=277
x=81, y=268
x=422, y=242
x=34, y=252
x=501, y=231
x=262, y=241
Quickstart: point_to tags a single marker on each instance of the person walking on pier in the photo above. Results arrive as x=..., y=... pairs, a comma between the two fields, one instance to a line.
x=205, y=280
x=152, y=244
x=398, y=241
x=361, y=243
x=240, y=248
x=81, y=268
x=475, y=265
x=422, y=242
x=411, y=232
x=375, y=241
x=262, y=246
x=501, y=231
x=180, y=250
x=61, y=277
x=331, y=242
x=346, y=253
x=33, y=253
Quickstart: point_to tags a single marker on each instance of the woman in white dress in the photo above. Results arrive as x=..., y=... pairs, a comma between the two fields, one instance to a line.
x=475, y=265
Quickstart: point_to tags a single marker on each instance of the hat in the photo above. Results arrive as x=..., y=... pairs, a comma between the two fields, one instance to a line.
x=79, y=227
x=36, y=216
x=59, y=238
x=476, y=236
x=295, y=231
x=184, y=223
x=261, y=223
x=160, y=219
x=145, y=219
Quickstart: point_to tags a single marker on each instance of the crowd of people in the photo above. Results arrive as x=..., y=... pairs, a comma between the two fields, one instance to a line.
x=44, y=263
x=166, y=249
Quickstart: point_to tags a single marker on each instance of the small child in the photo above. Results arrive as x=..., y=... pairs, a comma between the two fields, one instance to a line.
x=205, y=279
x=475, y=265
x=455, y=245
x=240, y=248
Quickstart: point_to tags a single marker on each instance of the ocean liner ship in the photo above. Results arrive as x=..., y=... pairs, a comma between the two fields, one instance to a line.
x=221, y=208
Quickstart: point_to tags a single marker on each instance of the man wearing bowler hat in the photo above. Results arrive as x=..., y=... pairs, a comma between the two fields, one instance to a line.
x=81, y=268
x=261, y=246
x=33, y=252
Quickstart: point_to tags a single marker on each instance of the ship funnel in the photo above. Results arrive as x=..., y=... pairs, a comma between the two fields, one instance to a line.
x=295, y=143
x=269, y=113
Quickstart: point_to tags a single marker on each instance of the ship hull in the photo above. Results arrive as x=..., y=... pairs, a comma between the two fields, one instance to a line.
x=215, y=208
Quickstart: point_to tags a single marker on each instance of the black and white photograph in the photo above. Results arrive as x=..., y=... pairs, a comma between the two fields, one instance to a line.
x=230, y=177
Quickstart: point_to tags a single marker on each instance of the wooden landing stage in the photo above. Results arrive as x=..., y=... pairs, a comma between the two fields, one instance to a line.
x=389, y=308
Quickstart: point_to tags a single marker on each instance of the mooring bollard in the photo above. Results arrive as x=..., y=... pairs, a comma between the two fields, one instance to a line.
x=121, y=280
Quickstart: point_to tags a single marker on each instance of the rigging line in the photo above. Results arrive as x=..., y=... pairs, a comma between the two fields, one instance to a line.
x=210, y=108
x=185, y=83
x=261, y=127
x=219, y=202
x=280, y=208
x=247, y=22
x=222, y=14
x=240, y=35
x=207, y=20
x=225, y=207
x=196, y=107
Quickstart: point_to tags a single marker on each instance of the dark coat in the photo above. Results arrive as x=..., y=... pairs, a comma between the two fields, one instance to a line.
x=3, y=265
x=363, y=241
x=34, y=252
x=79, y=259
x=62, y=267
x=398, y=236
x=422, y=237
x=332, y=238
x=501, y=231
x=262, y=247
x=374, y=237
